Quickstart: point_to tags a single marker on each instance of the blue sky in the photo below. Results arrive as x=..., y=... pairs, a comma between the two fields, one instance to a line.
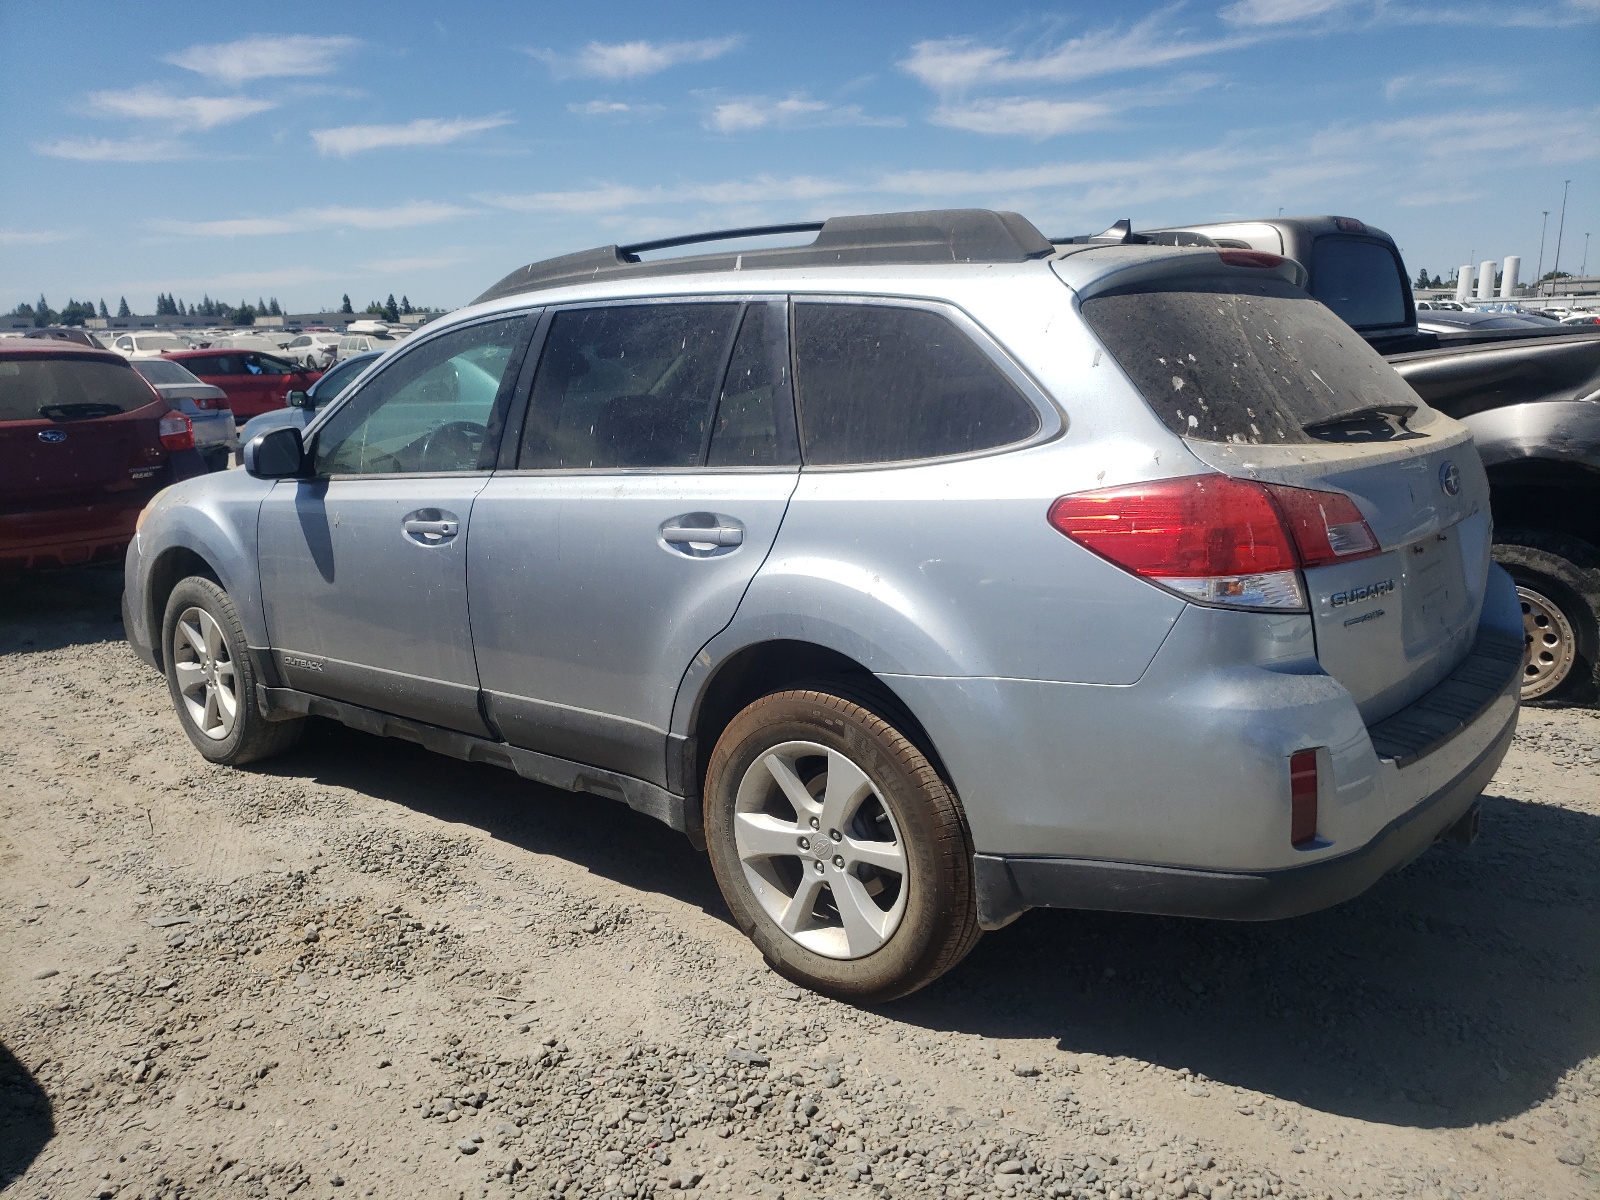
x=307, y=150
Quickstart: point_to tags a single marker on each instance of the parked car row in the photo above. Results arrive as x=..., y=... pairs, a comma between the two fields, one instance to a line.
x=924, y=574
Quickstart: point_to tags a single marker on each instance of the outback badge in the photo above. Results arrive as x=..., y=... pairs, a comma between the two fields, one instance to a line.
x=1449, y=478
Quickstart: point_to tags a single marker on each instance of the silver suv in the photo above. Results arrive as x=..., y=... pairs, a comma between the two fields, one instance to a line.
x=922, y=574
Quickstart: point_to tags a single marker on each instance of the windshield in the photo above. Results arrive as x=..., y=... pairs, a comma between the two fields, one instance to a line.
x=161, y=370
x=1235, y=360
x=1359, y=280
x=64, y=390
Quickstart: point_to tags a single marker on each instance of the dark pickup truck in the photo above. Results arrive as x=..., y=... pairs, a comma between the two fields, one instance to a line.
x=1531, y=398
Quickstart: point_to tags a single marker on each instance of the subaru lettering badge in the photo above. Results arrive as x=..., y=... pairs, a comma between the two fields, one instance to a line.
x=1449, y=478
x=52, y=436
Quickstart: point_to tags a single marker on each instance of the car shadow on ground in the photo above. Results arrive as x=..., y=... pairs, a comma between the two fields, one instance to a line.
x=1455, y=992
x=26, y=1123
x=84, y=606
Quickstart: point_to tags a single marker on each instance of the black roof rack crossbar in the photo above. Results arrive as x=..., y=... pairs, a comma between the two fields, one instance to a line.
x=631, y=253
x=951, y=235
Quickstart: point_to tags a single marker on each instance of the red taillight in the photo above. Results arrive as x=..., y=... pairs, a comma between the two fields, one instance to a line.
x=1217, y=539
x=1327, y=526
x=1303, y=797
x=1250, y=258
x=177, y=432
x=1348, y=225
x=1197, y=525
x=204, y=404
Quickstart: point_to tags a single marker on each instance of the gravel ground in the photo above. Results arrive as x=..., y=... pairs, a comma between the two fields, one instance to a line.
x=363, y=970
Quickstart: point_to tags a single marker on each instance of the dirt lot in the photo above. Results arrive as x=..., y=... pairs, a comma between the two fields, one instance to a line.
x=363, y=970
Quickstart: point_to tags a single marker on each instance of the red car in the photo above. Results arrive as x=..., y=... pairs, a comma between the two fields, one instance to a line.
x=255, y=382
x=85, y=443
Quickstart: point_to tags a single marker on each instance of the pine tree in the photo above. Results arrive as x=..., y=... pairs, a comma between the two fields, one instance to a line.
x=345, y=307
x=122, y=308
x=42, y=315
x=105, y=314
x=405, y=305
x=391, y=310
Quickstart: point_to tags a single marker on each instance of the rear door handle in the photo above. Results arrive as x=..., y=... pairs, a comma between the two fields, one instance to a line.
x=715, y=535
x=430, y=532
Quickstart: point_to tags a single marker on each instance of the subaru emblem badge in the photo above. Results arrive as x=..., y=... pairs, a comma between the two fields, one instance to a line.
x=52, y=436
x=1449, y=478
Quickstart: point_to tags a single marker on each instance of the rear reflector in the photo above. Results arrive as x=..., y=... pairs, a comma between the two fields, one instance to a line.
x=1250, y=258
x=1303, y=797
x=1215, y=539
x=177, y=432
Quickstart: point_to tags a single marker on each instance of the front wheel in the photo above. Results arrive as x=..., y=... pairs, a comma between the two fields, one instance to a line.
x=211, y=679
x=840, y=851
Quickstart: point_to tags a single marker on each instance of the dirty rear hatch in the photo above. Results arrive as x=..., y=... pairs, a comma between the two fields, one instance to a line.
x=1264, y=382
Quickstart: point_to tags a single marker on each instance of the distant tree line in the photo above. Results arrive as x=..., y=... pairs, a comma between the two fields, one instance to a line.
x=77, y=312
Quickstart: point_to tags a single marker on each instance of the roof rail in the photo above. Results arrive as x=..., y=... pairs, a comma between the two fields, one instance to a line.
x=968, y=235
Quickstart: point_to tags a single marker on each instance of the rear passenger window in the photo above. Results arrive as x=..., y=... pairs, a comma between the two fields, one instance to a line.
x=754, y=426
x=627, y=386
x=879, y=383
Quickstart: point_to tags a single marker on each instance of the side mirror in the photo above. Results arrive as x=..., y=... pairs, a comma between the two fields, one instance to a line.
x=276, y=454
x=296, y=399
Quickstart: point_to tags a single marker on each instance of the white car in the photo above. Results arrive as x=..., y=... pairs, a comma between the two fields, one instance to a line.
x=313, y=349
x=148, y=345
x=360, y=343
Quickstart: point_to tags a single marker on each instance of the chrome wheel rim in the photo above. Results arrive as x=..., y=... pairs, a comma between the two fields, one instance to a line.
x=1551, y=645
x=207, y=681
x=821, y=850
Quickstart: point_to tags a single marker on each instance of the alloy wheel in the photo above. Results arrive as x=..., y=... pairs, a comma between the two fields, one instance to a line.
x=1552, y=646
x=821, y=850
x=207, y=681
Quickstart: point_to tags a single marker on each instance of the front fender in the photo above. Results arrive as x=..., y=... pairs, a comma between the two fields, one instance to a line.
x=213, y=517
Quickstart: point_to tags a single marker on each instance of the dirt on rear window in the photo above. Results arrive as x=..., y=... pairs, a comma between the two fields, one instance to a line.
x=1244, y=361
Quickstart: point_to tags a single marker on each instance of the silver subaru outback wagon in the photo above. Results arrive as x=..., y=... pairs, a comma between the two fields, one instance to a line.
x=922, y=574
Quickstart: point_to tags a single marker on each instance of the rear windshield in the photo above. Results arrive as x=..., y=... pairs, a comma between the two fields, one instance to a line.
x=67, y=390
x=1359, y=280
x=160, y=370
x=1230, y=360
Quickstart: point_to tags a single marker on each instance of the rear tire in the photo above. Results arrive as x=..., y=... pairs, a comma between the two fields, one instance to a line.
x=212, y=680
x=841, y=852
x=1558, y=582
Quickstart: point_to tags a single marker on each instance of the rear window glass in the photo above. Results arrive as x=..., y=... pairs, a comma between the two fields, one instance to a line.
x=1237, y=361
x=57, y=389
x=1359, y=280
x=879, y=383
x=160, y=370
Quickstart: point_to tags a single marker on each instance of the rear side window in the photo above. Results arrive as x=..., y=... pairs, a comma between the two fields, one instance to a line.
x=1359, y=280
x=879, y=383
x=1244, y=361
x=627, y=386
x=754, y=425
x=217, y=364
x=57, y=389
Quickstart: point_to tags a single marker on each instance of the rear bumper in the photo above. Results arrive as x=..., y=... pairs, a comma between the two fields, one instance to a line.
x=1009, y=884
x=69, y=536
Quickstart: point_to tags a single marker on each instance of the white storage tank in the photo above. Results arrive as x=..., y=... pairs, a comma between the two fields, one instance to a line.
x=1463, y=283
x=1486, y=279
x=1509, y=276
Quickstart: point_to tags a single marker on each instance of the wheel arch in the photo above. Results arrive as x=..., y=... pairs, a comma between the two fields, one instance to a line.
x=167, y=570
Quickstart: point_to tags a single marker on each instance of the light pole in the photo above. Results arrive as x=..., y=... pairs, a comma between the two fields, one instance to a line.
x=1538, y=274
x=1556, y=269
x=1584, y=270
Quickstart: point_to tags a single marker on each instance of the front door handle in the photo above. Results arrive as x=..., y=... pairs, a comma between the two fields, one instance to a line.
x=430, y=527
x=715, y=535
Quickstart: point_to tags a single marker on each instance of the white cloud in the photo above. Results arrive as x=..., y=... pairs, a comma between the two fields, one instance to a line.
x=1561, y=14
x=613, y=108
x=346, y=140
x=114, y=149
x=1278, y=12
x=1437, y=198
x=795, y=111
x=32, y=237
x=264, y=57
x=401, y=216
x=1487, y=81
x=955, y=64
x=1023, y=116
x=634, y=60
x=150, y=103
x=401, y=266
x=1510, y=135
